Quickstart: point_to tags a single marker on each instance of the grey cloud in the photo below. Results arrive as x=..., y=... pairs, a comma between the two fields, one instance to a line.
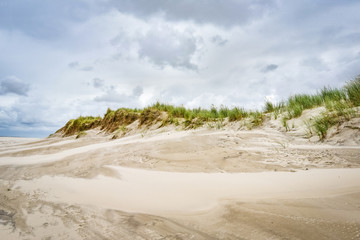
x=97, y=83
x=50, y=19
x=218, y=40
x=225, y=13
x=73, y=65
x=76, y=65
x=118, y=38
x=315, y=63
x=19, y=118
x=13, y=85
x=165, y=46
x=87, y=68
x=314, y=25
x=46, y=19
x=138, y=91
x=269, y=68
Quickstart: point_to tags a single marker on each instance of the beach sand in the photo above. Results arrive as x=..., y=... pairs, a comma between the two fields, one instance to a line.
x=171, y=184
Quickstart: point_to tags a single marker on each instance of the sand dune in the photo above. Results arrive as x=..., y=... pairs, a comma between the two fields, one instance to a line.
x=170, y=184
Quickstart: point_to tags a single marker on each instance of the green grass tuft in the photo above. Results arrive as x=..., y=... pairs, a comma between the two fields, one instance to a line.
x=269, y=107
x=237, y=114
x=352, y=89
x=80, y=124
x=336, y=113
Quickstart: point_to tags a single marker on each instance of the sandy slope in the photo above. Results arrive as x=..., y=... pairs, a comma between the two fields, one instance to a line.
x=170, y=184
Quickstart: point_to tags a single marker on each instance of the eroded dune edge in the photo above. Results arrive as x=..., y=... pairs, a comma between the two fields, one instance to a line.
x=224, y=182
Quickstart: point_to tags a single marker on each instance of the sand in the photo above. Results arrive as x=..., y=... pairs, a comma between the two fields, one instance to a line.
x=172, y=184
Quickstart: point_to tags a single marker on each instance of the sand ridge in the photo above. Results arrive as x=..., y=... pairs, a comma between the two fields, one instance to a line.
x=189, y=193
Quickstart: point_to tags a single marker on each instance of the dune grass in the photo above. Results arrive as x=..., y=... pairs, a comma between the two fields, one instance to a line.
x=236, y=114
x=336, y=113
x=296, y=104
x=352, y=89
x=339, y=104
x=122, y=116
x=80, y=134
x=80, y=124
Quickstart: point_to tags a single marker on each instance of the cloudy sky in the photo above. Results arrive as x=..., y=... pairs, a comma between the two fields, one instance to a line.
x=61, y=59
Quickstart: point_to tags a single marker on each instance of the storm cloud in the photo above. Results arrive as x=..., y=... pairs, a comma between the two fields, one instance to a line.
x=269, y=68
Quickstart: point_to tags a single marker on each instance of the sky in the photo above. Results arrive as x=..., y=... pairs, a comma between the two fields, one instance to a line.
x=62, y=59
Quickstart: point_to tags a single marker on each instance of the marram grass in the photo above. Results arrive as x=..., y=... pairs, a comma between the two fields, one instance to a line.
x=339, y=104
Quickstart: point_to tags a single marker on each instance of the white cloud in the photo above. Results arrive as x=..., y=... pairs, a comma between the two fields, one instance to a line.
x=164, y=46
x=127, y=99
x=206, y=100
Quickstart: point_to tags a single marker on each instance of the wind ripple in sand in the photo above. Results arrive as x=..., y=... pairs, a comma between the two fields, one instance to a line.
x=157, y=192
x=48, y=158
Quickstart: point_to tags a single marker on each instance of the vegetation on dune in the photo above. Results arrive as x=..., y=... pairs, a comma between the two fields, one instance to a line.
x=113, y=119
x=237, y=114
x=80, y=124
x=121, y=131
x=336, y=113
x=80, y=134
x=352, y=89
x=269, y=107
x=339, y=105
x=256, y=118
x=296, y=104
x=149, y=116
x=200, y=114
